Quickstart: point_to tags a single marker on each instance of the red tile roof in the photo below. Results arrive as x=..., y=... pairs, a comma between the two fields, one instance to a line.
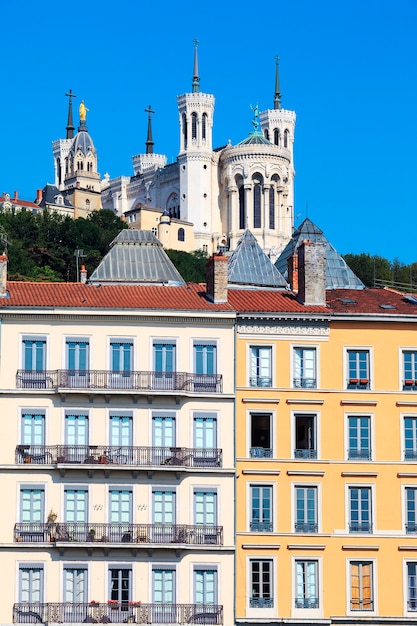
x=19, y=202
x=269, y=301
x=370, y=302
x=83, y=296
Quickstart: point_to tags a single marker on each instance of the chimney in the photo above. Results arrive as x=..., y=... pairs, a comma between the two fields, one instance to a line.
x=38, y=196
x=217, y=278
x=293, y=271
x=83, y=274
x=3, y=275
x=312, y=273
x=15, y=195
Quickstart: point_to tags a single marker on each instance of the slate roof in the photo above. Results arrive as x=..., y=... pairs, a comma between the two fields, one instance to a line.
x=256, y=138
x=249, y=266
x=50, y=193
x=338, y=273
x=136, y=256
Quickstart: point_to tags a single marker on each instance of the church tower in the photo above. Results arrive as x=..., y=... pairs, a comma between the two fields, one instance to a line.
x=197, y=170
x=61, y=147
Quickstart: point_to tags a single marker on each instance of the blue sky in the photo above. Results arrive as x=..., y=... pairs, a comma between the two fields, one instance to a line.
x=348, y=69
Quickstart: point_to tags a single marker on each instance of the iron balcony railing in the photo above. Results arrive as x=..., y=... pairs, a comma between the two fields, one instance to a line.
x=355, y=454
x=358, y=383
x=261, y=527
x=261, y=603
x=258, y=452
x=128, y=380
x=133, y=456
x=305, y=453
x=306, y=527
x=307, y=603
x=409, y=385
x=260, y=381
x=360, y=527
x=305, y=383
x=69, y=532
x=116, y=613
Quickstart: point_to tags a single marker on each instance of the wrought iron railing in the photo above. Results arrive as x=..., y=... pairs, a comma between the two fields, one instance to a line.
x=261, y=603
x=109, y=380
x=261, y=527
x=358, y=383
x=258, y=452
x=360, y=527
x=305, y=453
x=307, y=603
x=305, y=383
x=306, y=527
x=119, y=455
x=357, y=454
x=70, y=532
x=260, y=381
x=116, y=613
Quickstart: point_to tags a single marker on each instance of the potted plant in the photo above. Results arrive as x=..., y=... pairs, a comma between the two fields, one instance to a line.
x=52, y=517
x=113, y=604
x=91, y=534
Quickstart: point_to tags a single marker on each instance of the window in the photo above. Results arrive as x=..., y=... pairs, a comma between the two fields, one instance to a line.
x=257, y=205
x=121, y=355
x=410, y=370
x=205, y=507
x=164, y=364
x=358, y=369
x=163, y=429
x=33, y=428
x=120, y=584
x=76, y=430
x=260, y=435
x=163, y=506
x=410, y=510
x=410, y=438
x=75, y=584
x=286, y=136
x=305, y=436
x=306, y=509
x=205, y=588
x=194, y=125
x=306, y=584
x=31, y=583
x=261, y=508
x=359, y=437
x=121, y=435
x=120, y=506
x=75, y=505
x=78, y=361
x=32, y=505
x=361, y=586
x=260, y=366
x=205, y=357
x=204, y=126
x=276, y=136
x=205, y=430
x=185, y=129
x=305, y=368
x=34, y=354
x=412, y=586
x=261, y=584
x=163, y=595
x=271, y=208
x=181, y=234
x=360, y=510
x=242, y=207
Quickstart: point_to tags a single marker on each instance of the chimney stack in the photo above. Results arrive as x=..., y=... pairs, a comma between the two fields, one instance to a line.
x=217, y=278
x=15, y=195
x=293, y=271
x=312, y=273
x=83, y=274
x=38, y=196
x=3, y=275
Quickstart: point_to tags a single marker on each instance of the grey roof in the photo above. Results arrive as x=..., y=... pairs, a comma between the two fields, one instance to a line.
x=136, y=256
x=338, y=273
x=82, y=141
x=255, y=138
x=50, y=194
x=248, y=265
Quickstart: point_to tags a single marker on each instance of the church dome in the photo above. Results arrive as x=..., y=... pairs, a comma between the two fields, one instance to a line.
x=255, y=139
x=83, y=143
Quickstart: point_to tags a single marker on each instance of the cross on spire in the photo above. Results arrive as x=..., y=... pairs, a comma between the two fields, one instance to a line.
x=149, y=143
x=70, y=126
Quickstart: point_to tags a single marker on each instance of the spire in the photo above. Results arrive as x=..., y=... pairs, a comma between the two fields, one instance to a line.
x=149, y=143
x=277, y=96
x=70, y=125
x=196, y=78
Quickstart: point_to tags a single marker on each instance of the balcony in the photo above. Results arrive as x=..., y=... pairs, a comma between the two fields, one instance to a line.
x=105, y=380
x=116, y=613
x=81, y=532
x=261, y=527
x=354, y=454
x=360, y=527
x=125, y=456
x=358, y=383
x=305, y=453
x=260, y=381
x=306, y=603
x=410, y=385
x=411, y=528
x=260, y=453
x=305, y=383
x=306, y=527
x=261, y=603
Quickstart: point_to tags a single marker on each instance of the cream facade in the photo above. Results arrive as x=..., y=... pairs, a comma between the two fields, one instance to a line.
x=117, y=462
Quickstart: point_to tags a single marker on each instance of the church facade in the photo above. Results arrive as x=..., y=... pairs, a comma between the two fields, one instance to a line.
x=221, y=192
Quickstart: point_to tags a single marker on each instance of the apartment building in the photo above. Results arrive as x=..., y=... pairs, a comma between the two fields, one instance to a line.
x=117, y=457
x=326, y=445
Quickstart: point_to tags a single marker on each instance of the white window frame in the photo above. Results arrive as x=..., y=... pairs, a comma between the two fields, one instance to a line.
x=260, y=344
x=304, y=346
x=76, y=565
x=274, y=499
x=359, y=612
x=253, y=612
x=31, y=565
x=301, y=612
x=35, y=336
x=272, y=426
x=401, y=371
x=371, y=417
x=346, y=379
x=405, y=587
x=129, y=339
x=294, y=415
x=404, y=488
x=403, y=417
x=372, y=487
x=207, y=342
x=303, y=483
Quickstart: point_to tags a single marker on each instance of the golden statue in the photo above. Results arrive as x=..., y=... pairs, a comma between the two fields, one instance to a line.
x=83, y=111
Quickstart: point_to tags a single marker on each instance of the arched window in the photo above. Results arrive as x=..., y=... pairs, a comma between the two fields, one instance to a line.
x=89, y=167
x=286, y=134
x=184, y=129
x=66, y=166
x=87, y=205
x=266, y=133
x=204, y=126
x=242, y=207
x=181, y=234
x=277, y=137
x=271, y=207
x=173, y=206
x=257, y=194
x=194, y=125
x=58, y=168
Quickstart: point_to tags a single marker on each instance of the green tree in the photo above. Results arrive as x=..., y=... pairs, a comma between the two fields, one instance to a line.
x=191, y=265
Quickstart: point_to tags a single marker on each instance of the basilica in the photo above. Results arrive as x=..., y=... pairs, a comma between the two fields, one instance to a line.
x=209, y=196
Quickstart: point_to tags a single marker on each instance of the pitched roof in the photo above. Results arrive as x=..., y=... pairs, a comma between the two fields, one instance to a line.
x=338, y=273
x=249, y=266
x=136, y=256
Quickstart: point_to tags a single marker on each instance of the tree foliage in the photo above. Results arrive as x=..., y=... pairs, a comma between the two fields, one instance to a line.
x=42, y=245
x=375, y=270
x=191, y=265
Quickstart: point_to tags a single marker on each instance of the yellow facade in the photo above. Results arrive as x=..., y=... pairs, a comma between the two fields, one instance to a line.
x=326, y=470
